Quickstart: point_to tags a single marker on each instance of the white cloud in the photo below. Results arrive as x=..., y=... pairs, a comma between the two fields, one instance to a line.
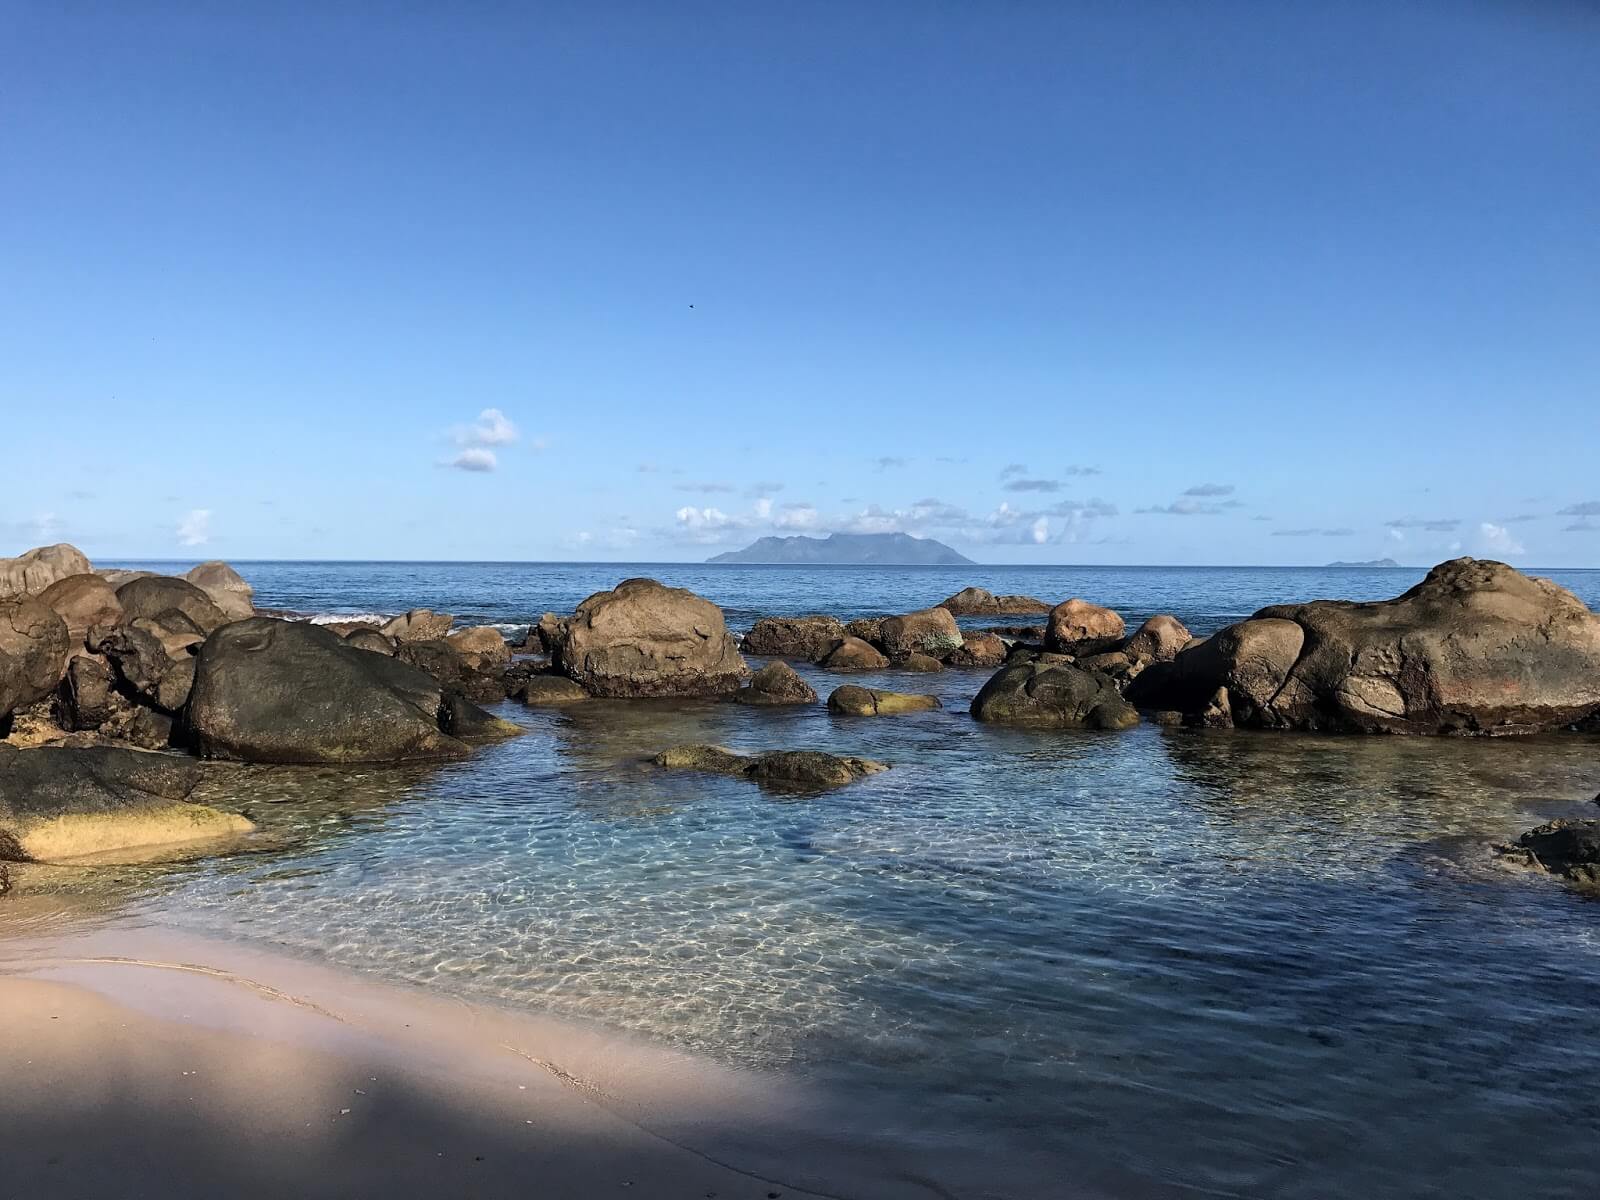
x=195, y=528
x=764, y=507
x=1499, y=540
x=492, y=428
x=797, y=517
x=474, y=460
x=1041, y=531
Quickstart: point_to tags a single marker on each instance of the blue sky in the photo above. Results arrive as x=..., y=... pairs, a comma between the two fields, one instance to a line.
x=1253, y=283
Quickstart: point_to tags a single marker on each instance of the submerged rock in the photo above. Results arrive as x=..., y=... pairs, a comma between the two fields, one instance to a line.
x=1476, y=647
x=801, y=770
x=1053, y=695
x=979, y=602
x=1567, y=848
x=853, y=701
x=645, y=639
x=550, y=691
x=62, y=802
x=461, y=718
x=289, y=692
x=810, y=638
x=776, y=683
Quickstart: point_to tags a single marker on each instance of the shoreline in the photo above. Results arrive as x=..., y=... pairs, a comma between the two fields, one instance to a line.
x=211, y=1066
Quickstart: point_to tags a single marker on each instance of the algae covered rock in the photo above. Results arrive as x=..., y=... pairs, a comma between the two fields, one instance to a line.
x=776, y=683
x=853, y=701
x=1053, y=695
x=796, y=770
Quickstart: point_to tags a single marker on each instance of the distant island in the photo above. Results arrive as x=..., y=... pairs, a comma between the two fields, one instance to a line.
x=1371, y=562
x=848, y=549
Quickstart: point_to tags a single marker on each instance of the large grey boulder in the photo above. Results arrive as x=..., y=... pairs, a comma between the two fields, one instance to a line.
x=34, y=644
x=1053, y=695
x=153, y=595
x=1476, y=647
x=290, y=692
x=226, y=588
x=645, y=639
x=30, y=573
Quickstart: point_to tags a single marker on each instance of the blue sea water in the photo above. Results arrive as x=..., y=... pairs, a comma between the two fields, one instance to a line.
x=1158, y=962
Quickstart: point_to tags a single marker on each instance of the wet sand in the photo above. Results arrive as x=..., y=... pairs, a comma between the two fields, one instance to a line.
x=164, y=1073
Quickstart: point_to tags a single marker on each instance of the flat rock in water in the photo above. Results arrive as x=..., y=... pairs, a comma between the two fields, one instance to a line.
x=794, y=770
x=1053, y=695
x=853, y=701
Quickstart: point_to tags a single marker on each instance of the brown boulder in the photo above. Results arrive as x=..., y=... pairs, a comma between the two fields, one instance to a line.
x=1053, y=695
x=932, y=631
x=226, y=587
x=29, y=574
x=853, y=654
x=482, y=646
x=645, y=639
x=152, y=595
x=418, y=625
x=799, y=770
x=83, y=601
x=1158, y=640
x=810, y=638
x=978, y=650
x=34, y=644
x=776, y=683
x=550, y=691
x=1076, y=626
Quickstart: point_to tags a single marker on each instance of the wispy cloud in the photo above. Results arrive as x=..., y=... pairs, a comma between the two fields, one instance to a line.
x=1499, y=540
x=1581, y=526
x=1433, y=525
x=492, y=428
x=1589, y=508
x=1183, y=508
x=1313, y=533
x=474, y=459
x=1077, y=471
x=1033, y=485
x=1210, y=489
x=889, y=461
x=195, y=527
x=1010, y=469
x=708, y=489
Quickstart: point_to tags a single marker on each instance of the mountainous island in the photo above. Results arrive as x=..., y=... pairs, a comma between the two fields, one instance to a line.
x=848, y=549
x=1371, y=562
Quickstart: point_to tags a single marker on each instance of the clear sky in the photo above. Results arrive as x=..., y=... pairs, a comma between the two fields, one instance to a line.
x=1161, y=282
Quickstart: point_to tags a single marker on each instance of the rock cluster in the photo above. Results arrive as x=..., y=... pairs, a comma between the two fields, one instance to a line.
x=1476, y=647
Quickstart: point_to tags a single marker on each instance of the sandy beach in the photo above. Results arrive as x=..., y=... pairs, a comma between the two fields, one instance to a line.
x=164, y=1073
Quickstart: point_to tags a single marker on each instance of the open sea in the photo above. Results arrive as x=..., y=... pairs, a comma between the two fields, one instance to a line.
x=1021, y=964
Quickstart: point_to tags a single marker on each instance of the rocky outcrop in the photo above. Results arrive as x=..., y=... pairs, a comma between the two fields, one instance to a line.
x=83, y=602
x=1476, y=647
x=1053, y=695
x=1076, y=626
x=797, y=770
x=868, y=629
x=776, y=683
x=226, y=588
x=146, y=669
x=932, y=631
x=644, y=639
x=60, y=802
x=290, y=692
x=29, y=574
x=810, y=638
x=153, y=595
x=34, y=643
x=854, y=654
x=1567, y=848
x=978, y=602
x=853, y=701
x=418, y=625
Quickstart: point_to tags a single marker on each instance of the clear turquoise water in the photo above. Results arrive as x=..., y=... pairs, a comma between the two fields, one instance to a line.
x=1167, y=962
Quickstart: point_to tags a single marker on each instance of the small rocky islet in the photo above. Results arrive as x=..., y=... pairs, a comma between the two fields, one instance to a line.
x=114, y=684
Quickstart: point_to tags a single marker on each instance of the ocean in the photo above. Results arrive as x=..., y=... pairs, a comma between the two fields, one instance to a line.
x=1157, y=963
